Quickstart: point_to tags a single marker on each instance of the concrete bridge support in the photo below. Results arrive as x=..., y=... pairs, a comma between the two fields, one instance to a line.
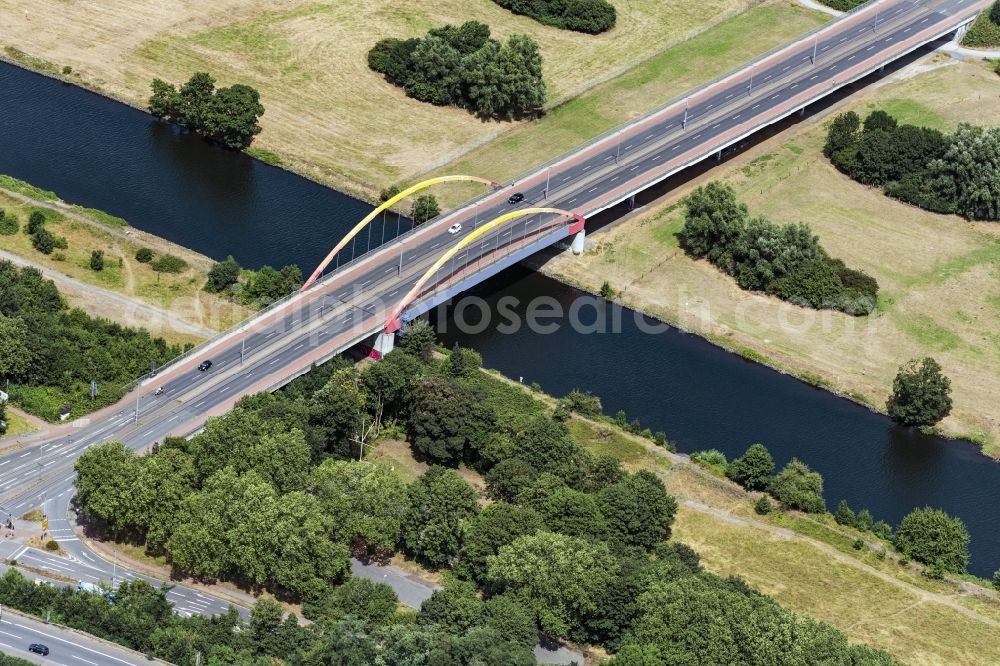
x=384, y=343
x=578, y=241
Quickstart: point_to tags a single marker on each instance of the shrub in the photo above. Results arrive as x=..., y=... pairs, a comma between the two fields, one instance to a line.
x=590, y=16
x=35, y=222
x=223, y=275
x=859, y=544
x=51, y=545
x=144, y=255
x=388, y=193
x=169, y=263
x=933, y=537
x=43, y=241
x=97, y=260
x=763, y=506
x=8, y=224
x=799, y=487
x=713, y=459
x=59, y=242
x=985, y=31
x=753, y=469
x=844, y=515
x=921, y=394
x=996, y=575
x=584, y=403
x=607, y=292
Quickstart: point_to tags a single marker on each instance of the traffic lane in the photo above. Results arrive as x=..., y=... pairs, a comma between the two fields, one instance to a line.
x=66, y=647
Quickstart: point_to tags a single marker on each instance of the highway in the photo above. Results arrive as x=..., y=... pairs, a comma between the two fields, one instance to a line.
x=351, y=304
x=66, y=646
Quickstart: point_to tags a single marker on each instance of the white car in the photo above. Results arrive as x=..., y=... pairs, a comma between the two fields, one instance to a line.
x=455, y=228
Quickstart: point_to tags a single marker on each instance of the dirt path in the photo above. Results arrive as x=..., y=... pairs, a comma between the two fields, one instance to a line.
x=99, y=296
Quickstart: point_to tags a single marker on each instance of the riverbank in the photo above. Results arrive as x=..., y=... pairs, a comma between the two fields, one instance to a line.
x=130, y=292
x=308, y=61
x=938, y=294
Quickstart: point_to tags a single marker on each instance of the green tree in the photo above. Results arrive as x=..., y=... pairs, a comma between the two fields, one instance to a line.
x=97, y=260
x=799, y=487
x=753, y=469
x=519, y=62
x=388, y=193
x=374, y=603
x=562, y=576
x=15, y=356
x=425, y=207
x=573, y=513
x=35, y=222
x=43, y=241
x=970, y=168
x=306, y=559
x=418, y=339
x=223, y=275
x=921, y=394
x=106, y=485
x=441, y=504
x=193, y=99
x=713, y=222
x=366, y=503
x=447, y=421
x=638, y=510
x=456, y=362
x=455, y=608
x=513, y=619
x=497, y=525
x=864, y=520
x=165, y=101
x=164, y=480
x=932, y=536
x=144, y=255
x=508, y=478
x=231, y=114
x=996, y=576
x=335, y=414
x=763, y=506
x=390, y=381
x=844, y=515
x=843, y=133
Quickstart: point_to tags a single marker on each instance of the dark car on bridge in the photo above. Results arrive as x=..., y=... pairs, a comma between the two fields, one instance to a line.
x=205, y=365
x=38, y=648
x=515, y=198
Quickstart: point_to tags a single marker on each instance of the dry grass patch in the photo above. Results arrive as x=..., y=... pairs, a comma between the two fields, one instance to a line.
x=940, y=293
x=16, y=425
x=869, y=609
x=327, y=113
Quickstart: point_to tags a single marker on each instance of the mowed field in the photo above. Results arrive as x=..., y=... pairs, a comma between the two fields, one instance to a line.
x=327, y=114
x=939, y=275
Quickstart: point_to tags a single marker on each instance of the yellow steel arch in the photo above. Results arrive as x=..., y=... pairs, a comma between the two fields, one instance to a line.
x=384, y=206
x=394, y=324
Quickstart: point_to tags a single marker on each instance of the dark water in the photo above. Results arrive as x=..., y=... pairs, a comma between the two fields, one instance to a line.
x=104, y=155
x=164, y=180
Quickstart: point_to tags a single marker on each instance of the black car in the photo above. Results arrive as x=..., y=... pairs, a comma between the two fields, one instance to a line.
x=38, y=648
x=205, y=365
x=515, y=198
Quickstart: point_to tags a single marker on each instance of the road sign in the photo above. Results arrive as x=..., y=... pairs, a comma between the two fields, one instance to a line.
x=45, y=523
x=93, y=389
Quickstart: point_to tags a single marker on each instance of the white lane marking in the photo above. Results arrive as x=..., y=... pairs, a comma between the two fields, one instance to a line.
x=614, y=178
x=696, y=136
x=794, y=86
x=147, y=433
x=754, y=107
x=608, y=158
x=591, y=189
x=717, y=124
x=850, y=59
x=586, y=167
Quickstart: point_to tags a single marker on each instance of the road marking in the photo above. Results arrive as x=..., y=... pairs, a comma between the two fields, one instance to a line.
x=717, y=124
x=754, y=107
x=850, y=59
x=735, y=117
x=924, y=21
x=634, y=168
x=729, y=95
x=794, y=86
x=614, y=178
x=591, y=189
x=675, y=147
x=571, y=200
x=696, y=136
x=76, y=656
x=586, y=167
x=709, y=107
x=147, y=433
x=814, y=76
x=608, y=158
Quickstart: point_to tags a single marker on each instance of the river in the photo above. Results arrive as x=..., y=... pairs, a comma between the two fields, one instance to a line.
x=101, y=154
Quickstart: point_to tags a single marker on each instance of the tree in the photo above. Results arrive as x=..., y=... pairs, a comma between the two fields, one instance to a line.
x=43, y=241
x=843, y=133
x=455, y=608
x=425, y=207
x=456, y=362
x=844, y=515
x=546, y=445
x=508, y=478
x=563, y=577
x=441, y=503
x=97, y=260
x=388, y=193
x=193, y=98
x=497, y=525
x=520, y=70
x=106, y=485
x=753, y=469
x=164, y=480
x=638, y=510
x=306, y=559
x=230, y=116
x=447, y=421
x=513, y=619
x=15, y=356
x=35, y=222
x=223, y=275
x=932, y=536
x=165, y=101
x=799, y=487
x=864, y=520
x=879, y=120
x=374, y=603
x=713, y=222
x=335, y=414
x=366, y=502
x=921, y=394
x=390, y=381
x=571, y=512
x=970, y=168
x=763, y=506
x=418, y=338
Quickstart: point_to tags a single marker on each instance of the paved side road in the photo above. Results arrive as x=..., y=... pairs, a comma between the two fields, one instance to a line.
x=66, y=646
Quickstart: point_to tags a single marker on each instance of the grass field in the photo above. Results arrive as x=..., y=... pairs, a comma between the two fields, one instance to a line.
x=16, y=424
x=180, y=295
x=327, y=114
x=939, y=296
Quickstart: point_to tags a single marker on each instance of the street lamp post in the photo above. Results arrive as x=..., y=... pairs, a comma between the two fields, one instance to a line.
x=685, y=121
x=815, y=49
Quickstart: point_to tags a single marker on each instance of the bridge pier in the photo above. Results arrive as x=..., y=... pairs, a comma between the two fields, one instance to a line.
x=384, y=343
x=578, y=241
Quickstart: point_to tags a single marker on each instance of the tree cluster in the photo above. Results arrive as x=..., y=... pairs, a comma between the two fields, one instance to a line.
x=462, y=66
x=227, y=116
x=957, y=173
x=985, y=31
x=42, y=239
x=257, y=288
x=50, y=353
x=590, y=16
x=783, y=260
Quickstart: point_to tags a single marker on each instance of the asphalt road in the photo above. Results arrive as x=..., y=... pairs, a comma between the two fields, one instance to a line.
x=352, y=302
x=66, y=647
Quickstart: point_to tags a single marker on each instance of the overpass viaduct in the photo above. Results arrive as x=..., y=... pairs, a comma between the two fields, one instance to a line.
x=377, y=293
